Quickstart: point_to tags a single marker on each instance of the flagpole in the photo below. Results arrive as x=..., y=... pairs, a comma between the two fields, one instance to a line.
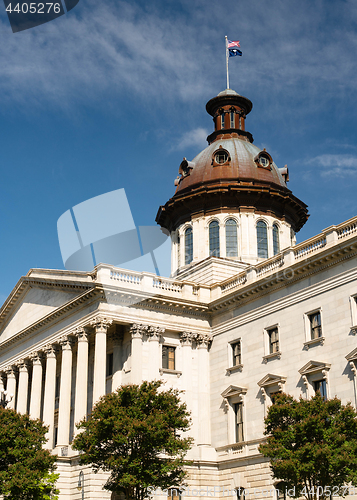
x=227, y=57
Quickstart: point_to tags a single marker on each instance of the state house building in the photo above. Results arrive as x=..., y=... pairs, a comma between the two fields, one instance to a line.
x=246, y=313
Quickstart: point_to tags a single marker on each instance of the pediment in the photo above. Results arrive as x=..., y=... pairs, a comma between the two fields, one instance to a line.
x=233, y=390
x=313, y=367
x=36, y=297
x=271, y=379
x=352, y=356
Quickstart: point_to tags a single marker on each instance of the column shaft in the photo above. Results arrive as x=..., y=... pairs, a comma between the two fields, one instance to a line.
x=21, y=406
x=204, y=432
x=137, y=332
x=117, y=362
x=64, y=410
x=101, y=326
x=11, y=388
x=36, y=388
x=154, y=333
x=49, y=396
x=80, y=405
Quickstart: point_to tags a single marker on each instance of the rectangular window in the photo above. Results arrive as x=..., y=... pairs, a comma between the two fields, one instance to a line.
x=273, y=334
x=109, y=372
x=168, y=357
x=174, y=494
x=237, y=353
x=320, y=385
x=315, y=325
x=238, y=410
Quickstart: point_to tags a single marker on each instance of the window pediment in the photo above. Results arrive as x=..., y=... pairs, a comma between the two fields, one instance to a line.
x=234, y=390
x=271, y=379
x=352, y=356
x=314, y=367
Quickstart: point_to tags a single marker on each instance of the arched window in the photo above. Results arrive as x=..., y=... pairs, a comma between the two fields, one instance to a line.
x=232, y=116
x=262, y=239
x=214, y=239
x=231, y=238
x=222, y=120
x=178, y=251
x=276, y=244
x=188, y=246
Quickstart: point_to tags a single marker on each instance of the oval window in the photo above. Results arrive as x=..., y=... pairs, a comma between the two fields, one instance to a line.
x=264, y=161
x=221, y=157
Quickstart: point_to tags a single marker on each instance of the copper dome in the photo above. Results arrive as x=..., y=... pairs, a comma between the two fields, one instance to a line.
x=231, y=174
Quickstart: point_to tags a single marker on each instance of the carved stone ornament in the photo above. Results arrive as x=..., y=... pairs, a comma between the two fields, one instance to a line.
x=225, y=404
x=186, y=338
x=155, y=332
x=66, y=343
x=81, y=334
x=353, y=368
x=264, y=394
x=50, y=351
x=35, y=358
x=203, y=339
x=306, y=382
x=137, y=330
x=101, y=323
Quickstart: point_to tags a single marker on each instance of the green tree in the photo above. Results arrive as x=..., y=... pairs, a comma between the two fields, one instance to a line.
x=135, y=433
x=26, y=469
x=312, y=445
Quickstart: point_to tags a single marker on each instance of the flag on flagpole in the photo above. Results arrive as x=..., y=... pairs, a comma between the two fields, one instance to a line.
x=233, y=44
x=232, y=47
x=234, y=52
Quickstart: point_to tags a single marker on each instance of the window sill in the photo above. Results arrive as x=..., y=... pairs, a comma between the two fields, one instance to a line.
x=273, y=355
x=172, y=372
x=312, y=343
x=236, y=368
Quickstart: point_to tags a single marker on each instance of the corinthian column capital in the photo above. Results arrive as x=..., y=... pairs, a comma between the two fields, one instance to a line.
x=101, y=323
x=138, y=330
x=155, y=332
x=186, y=338
x=81, y=334
x=203, y=340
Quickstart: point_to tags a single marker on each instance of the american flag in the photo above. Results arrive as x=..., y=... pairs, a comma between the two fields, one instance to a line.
x=232, y=45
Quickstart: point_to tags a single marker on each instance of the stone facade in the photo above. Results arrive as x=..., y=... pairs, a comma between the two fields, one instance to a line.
x=229, y=330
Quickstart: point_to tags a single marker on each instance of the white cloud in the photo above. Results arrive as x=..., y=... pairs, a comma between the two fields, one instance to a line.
x=334, y=165
x=193, y=138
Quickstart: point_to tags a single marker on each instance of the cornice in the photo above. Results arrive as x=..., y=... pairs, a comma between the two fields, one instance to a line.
x=257, y=290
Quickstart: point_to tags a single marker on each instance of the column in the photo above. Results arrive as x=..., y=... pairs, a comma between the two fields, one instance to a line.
x=50, y=393
x=186, y=339
x=22, y=393
x=204, y=431
x=1, y=382
x=64, y=410
x=11, y=387
x=154, y=333
x=81, y=391
x=117, y=360
x=137, y=331
x=36, y=387
x=101, y=326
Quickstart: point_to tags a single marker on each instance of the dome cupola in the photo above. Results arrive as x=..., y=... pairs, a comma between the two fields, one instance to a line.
x=231, y=201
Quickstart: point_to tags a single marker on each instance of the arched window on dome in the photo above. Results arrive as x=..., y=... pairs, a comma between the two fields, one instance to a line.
x=276, y=243
x=262, y=239
x=232, y=116
x=214, y=238
x=231, y=238
x=188, y=246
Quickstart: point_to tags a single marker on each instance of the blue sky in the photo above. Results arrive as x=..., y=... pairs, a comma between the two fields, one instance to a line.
x=112, y=95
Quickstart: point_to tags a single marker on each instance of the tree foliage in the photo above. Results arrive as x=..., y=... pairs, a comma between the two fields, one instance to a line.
x=135, y=433
x=312, y=445
x=26, y=469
